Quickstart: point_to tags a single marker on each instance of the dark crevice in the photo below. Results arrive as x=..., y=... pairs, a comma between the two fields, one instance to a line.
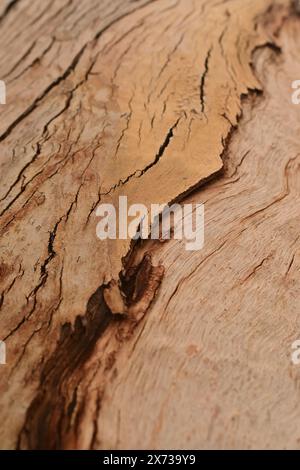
x=67, y=72
x=9, y=8
x=48, y=420
x=202, y=81
x=139, y=173
x=34, y=105
x=45, y=423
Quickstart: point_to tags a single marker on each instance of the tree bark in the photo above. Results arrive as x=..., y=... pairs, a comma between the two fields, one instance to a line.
x=114, y=344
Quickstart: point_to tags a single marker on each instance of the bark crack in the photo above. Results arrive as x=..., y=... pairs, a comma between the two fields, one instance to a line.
x=160, y=153
x=203, y=80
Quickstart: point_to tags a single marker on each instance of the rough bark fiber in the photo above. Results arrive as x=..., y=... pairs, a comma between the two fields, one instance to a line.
x=158, y=100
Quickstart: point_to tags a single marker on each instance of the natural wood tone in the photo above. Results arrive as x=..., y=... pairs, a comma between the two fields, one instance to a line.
x=210, y=364
x=143, y=99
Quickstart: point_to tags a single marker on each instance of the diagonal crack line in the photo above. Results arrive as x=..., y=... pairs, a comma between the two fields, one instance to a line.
x=51, y=255
x=43, y=278
x=7, y=290
x=21, y=59
x=163, y=147
x=34, y=105
x=8, y=8
x=67, y=72
x=139, y=173
x=35, y=61
x=202, y=81
x=256, y=268
x=44, y=138
x=121, y=17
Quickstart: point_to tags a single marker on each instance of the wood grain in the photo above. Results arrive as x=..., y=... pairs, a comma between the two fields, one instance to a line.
x=210, y=365
x=148, y=99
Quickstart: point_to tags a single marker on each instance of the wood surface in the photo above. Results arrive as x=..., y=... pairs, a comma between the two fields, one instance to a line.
x=120, y=345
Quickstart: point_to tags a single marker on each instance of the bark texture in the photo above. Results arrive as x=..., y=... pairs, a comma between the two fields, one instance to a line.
x=162, y=100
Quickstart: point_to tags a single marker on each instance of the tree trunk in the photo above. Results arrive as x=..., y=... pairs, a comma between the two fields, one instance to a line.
x=115, y=344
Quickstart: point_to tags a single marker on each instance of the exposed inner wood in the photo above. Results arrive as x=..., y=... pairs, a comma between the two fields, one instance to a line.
x=149, y=99
x=209, y=366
